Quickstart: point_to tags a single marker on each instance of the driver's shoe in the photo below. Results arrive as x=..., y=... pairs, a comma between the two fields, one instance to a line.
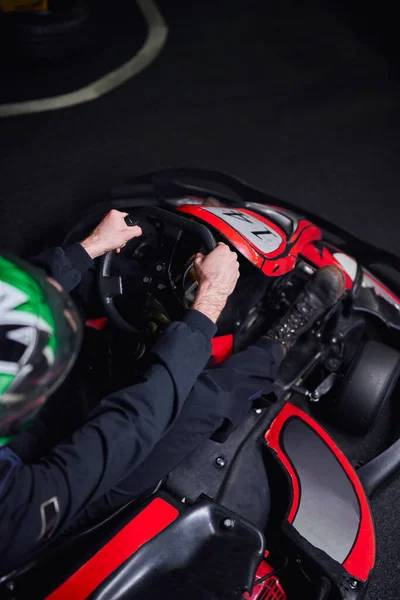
x=318, y=296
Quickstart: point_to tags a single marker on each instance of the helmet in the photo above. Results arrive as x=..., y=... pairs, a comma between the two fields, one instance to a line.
x=40, y=336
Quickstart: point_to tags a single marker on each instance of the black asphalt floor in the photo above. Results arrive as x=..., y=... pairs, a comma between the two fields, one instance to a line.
x=300, y=99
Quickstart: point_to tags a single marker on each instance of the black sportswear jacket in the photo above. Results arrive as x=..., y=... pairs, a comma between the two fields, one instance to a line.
x=116, y=437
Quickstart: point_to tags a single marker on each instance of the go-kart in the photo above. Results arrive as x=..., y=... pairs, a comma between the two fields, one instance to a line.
x=325, y=440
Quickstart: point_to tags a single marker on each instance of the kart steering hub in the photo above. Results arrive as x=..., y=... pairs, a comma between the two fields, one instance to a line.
x=157, y=277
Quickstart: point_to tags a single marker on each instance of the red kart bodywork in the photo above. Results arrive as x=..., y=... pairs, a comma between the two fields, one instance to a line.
x=360, y=557
x=249, y=240
x=300, y=241
x=328, y=518
x=155, y=517
x=159, y=514
x=246, y=229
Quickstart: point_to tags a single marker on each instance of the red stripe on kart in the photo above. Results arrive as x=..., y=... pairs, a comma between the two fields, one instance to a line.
x=97, y=324
x=146, y=525
x=227, y=231
x=280, y=266
x=272, y=438
x=222, y=348
x=322, y=258
x=302, y=225
x=361, y=559
x=305, y=234
x=280, y=261
x=381, y=285
x=376, y=281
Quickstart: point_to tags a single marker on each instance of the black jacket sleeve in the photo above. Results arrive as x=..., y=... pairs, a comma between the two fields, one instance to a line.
x=41, y=499
x=66, y=265
x=74, y=270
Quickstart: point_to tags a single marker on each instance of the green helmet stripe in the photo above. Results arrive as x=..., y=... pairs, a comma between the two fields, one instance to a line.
x=5, y=440
x=36, y=303
x=29, y=301
x=5, y=382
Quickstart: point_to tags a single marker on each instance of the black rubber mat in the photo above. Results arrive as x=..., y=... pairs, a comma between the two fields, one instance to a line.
x=295, y=97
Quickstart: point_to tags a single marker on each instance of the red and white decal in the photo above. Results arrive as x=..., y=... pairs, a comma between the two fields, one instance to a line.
x=348, y=263
x=370, y=281
x=267, y=209
x=260, y=240
x=321, y=257
x=230, y=233
x=254, y=236
x=262, y=236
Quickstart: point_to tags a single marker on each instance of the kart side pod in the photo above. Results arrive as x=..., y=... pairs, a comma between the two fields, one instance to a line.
x=329, y=518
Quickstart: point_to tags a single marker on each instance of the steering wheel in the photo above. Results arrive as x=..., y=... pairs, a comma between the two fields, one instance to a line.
x=156, y=279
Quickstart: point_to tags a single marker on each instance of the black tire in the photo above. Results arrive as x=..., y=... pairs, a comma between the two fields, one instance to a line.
x=367, y=387
x=48, y=36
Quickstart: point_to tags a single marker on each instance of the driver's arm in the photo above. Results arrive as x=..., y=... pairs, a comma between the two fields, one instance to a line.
x=68, y=265
x=40, y=499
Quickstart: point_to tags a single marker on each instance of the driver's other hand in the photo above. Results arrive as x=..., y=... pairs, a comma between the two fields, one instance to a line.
x=218, y=271
x=111, y=234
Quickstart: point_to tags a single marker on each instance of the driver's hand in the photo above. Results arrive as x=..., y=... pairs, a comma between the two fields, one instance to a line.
x=217, y=274
x=111, y=234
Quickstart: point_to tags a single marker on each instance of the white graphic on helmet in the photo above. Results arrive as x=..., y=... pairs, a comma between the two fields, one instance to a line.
x=27, y=327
